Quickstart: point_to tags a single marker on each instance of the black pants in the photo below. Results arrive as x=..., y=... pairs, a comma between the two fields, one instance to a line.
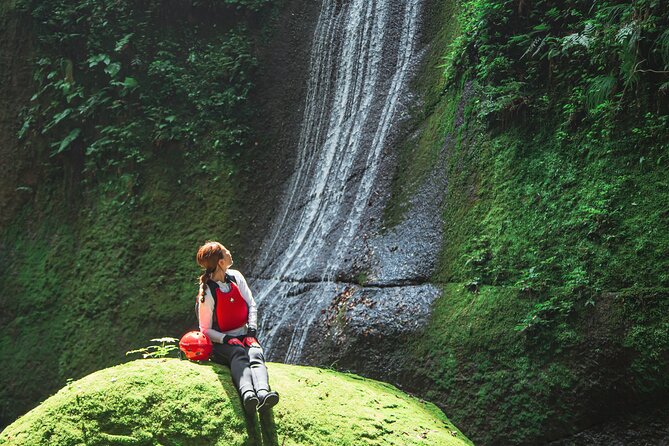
x=247, y=366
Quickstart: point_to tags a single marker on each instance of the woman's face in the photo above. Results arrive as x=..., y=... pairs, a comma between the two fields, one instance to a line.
x=226, y=262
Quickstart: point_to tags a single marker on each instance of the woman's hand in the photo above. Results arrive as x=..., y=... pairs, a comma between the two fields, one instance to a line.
x=235, y=341
x=250, y=341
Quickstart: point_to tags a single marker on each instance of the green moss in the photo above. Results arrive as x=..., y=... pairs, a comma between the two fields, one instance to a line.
x=537, y=383
x=361, y=278
x=555, y=210
x=480, y=364
x=117, y=273
x=647, y=336
x=167, y=401
x=417, y=157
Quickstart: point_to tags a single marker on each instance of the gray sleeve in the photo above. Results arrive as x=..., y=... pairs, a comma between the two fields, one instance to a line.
x=205, y=313
x=248, y=297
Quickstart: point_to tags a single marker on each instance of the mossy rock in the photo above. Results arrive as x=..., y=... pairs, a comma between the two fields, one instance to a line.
x=173, y=402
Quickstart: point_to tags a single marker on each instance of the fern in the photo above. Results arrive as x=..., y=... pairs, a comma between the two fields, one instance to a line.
x=628, y=38
x=628, y=34
x=578, y=39
x=157, y=351
x=599, y=90
x=662, y=43
x=615, y=12
x=534, y=47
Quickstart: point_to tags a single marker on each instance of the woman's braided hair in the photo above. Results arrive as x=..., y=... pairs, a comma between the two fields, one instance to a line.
x=207, y=257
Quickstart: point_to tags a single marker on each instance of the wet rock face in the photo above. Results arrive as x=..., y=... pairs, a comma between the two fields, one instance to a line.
x=333, y=285
x=347, y=322
x=407, y=252
x=362, y=56
x=279, y=96
x=365, y=327
x=325, y=251
x=19, y=175
x=646, y=427
x=360, y=326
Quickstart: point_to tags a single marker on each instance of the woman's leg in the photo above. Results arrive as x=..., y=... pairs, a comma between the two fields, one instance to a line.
x=236, y=357
x=258, y=368
x=267, y=397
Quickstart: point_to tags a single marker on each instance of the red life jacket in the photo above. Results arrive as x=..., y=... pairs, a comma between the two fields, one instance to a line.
x=231, y=309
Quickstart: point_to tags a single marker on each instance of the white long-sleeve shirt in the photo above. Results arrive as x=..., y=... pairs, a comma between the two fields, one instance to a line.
x=206, y=309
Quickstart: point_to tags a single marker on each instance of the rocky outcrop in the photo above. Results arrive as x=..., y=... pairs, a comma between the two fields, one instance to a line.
x=168, y=401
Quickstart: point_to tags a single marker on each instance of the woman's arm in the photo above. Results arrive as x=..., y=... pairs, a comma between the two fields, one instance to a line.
x=205, y=313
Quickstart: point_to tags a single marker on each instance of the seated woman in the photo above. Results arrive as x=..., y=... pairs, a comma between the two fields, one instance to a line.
x=227, y=315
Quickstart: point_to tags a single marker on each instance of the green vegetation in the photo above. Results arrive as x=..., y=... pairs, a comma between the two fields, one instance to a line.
x=167, y=346
x=113, y=81
x=170, y=402
x=80, y=289
x=135, y=128
x=552, y=121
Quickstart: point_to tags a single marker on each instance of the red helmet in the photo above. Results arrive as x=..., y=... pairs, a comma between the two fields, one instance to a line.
x=195, y=345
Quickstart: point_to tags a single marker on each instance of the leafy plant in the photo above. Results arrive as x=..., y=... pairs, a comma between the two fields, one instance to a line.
x=545, y=314
x=157, y=351
x=107, y=95
x=600, y=89
x=532, y=281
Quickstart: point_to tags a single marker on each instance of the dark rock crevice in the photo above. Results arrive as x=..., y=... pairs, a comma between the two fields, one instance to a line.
x=278, y=98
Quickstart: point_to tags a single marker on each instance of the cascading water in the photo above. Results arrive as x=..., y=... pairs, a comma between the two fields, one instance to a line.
x=361, y=56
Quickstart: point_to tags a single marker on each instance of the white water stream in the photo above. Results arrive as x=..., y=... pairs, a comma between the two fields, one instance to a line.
x=361, y=55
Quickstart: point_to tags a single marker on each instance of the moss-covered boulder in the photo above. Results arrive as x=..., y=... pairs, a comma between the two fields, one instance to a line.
x=173, y=402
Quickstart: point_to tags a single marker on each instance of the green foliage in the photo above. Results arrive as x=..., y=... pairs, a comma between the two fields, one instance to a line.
x=570, y=185
x=546, y=313
x=517, y=49
x=477, y=362
x=136, y=124
x=114, y=259
x=157, y=351
x=113, y=97
x=600, y=89
x=554, y=121
x=648, y=335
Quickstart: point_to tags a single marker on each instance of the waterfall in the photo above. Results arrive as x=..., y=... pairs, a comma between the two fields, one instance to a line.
x=361, y=55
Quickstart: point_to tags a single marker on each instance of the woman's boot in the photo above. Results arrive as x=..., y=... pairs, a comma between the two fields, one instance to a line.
x=268, y=399
x=250, y=401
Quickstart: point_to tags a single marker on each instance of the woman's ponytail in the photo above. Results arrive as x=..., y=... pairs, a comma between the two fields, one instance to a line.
x=204, y=278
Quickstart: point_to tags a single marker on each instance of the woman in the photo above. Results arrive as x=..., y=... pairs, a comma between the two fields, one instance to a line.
x=227, y=315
